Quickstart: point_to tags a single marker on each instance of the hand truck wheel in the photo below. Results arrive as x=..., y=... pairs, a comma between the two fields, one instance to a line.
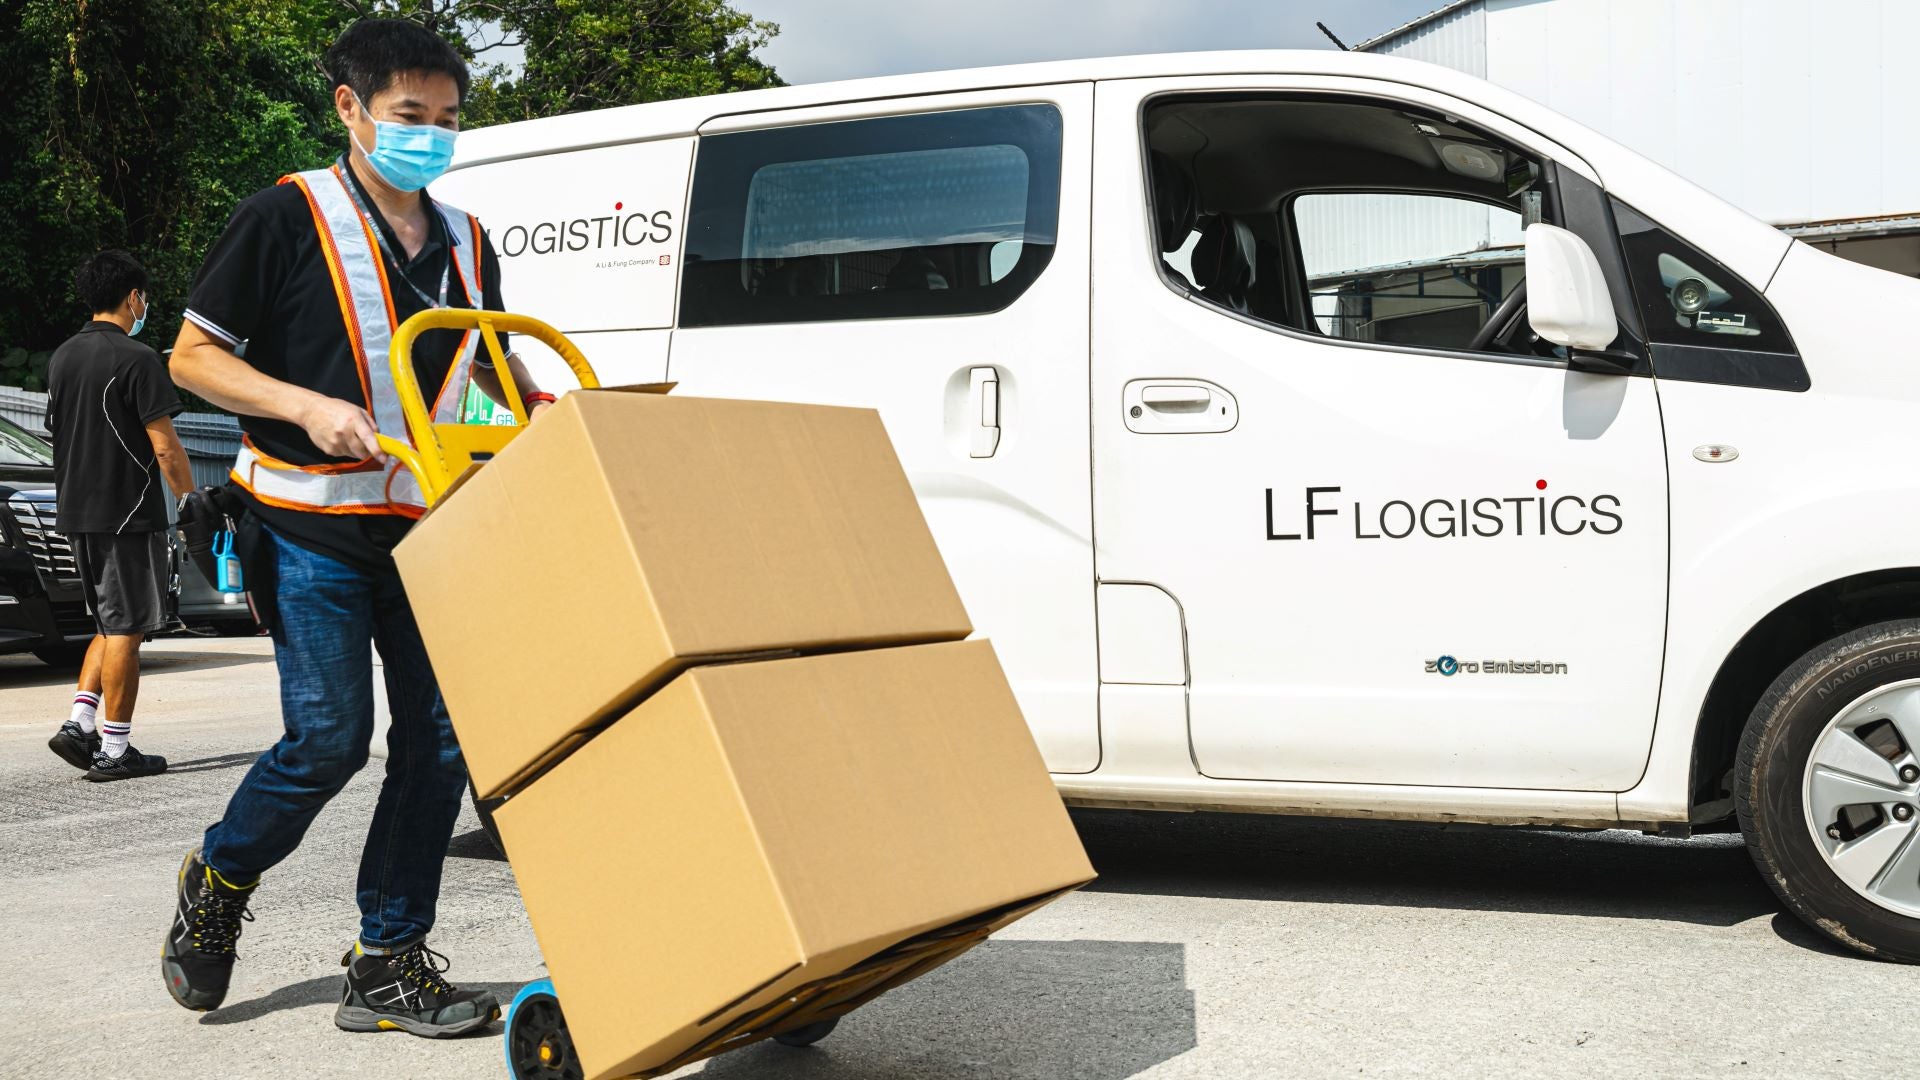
x=538, y=1044
x=807, y=1036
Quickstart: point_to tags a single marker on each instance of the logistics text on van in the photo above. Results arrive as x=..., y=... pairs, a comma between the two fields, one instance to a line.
x=1443, y=518
x=579, y=234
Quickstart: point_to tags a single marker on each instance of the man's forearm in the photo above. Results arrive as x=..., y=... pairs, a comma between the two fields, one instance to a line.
x=176, y=470
x=171, y=456
x=211, y=371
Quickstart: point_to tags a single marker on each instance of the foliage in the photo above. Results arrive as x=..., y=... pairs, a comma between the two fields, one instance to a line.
x=592, y=54
x=139, y=124
x=18, y=367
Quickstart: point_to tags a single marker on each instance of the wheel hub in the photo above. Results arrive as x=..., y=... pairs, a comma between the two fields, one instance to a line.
x=1861, y=796
x=539, y=1046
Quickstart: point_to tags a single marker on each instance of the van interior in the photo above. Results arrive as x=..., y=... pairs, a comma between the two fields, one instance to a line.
x=1347, y=219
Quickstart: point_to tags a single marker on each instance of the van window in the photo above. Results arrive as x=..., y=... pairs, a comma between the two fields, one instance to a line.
x=947, y=213
x=1686, y=298
x=1425, y=270
x=1346, y=218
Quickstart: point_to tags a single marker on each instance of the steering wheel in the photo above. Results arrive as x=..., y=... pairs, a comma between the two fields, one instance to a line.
x=1501, y=318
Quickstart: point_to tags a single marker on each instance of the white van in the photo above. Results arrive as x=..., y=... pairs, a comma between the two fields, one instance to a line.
x=1316, y=433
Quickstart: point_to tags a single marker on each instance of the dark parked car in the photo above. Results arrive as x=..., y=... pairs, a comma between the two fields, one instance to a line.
x=41, y=607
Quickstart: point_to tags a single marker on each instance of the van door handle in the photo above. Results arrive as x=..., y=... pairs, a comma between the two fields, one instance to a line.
x=1177, y=398
x=1178, y=406
x=983, y=406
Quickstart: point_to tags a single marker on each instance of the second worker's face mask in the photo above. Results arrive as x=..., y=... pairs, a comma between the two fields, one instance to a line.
x=408, y=156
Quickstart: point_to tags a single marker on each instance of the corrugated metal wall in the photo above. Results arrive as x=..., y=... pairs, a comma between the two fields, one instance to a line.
x=1344, y=231
x=1793, y=110
x=211, y=439
x=1456, y=39
x=24, y=407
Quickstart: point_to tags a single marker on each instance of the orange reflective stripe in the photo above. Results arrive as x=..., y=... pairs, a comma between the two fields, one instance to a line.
x=330, y=251
x=272, y=462
x=453, y=372
x=388, y=509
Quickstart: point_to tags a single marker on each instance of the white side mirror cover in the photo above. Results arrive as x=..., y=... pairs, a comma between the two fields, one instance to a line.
x=1567, y=298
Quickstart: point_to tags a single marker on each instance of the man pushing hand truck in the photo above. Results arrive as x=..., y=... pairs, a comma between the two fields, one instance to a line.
x=314, y=276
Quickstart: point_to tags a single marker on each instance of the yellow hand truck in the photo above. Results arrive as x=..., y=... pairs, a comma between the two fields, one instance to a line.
x=440, y=453
x=537, y=1041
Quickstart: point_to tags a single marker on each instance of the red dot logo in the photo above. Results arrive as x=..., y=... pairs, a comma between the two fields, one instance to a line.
x=1541, y=484
x=618, y=205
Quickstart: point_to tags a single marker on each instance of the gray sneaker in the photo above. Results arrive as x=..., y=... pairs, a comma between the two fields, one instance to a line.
x=404, y=992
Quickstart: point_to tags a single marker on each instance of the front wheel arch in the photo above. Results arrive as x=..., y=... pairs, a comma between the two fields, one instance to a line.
x=1776, y=642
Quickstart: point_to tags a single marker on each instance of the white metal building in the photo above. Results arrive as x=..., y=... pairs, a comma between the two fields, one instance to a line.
x=1794, y=110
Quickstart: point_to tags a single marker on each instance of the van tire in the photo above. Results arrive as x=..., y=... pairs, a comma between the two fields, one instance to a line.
x=1770, y=773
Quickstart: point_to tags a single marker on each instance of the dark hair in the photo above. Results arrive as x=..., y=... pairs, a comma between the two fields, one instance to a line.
x=103, y=282
x=372, y=52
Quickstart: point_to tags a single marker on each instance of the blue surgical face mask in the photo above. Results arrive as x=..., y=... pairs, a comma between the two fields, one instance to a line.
x=408, y=156
x=146, y=309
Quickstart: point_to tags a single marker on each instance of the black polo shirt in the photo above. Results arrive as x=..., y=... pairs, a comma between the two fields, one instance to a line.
x=103, y=389
x=266, y=283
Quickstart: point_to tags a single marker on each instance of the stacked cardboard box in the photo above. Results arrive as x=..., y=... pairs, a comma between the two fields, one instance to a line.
x=754, y=776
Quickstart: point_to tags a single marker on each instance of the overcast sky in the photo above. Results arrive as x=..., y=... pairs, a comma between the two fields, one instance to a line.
x=822, y=40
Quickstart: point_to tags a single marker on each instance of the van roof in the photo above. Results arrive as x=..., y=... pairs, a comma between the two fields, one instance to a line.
x=685, y=116
x=1742, y=243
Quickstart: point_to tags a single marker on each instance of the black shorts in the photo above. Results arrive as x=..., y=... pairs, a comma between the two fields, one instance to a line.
x=125, y=576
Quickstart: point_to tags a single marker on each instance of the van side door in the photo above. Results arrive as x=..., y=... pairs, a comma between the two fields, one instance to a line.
x=1411, y=543
x=927, y=258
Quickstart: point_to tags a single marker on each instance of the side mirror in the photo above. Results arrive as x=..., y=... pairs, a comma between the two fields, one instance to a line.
x=1567, y=298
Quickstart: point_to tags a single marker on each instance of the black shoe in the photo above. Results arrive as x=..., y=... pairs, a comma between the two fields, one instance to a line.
x=125, y=767
x=74, y=746
x=405, y=992
x=196, y=961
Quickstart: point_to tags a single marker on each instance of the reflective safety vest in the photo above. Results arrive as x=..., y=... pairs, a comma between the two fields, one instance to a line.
x=352, y=251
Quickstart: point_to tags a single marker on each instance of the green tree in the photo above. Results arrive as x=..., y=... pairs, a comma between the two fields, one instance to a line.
x=139, y=124
x=592, y=54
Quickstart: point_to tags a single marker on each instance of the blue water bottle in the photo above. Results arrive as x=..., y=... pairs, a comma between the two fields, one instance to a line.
x=226, y=563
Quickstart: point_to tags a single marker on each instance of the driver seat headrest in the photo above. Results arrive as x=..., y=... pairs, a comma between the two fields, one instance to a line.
x=1223, y=261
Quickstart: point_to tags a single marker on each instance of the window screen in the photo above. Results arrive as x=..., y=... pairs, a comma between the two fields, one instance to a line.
x=934, y=214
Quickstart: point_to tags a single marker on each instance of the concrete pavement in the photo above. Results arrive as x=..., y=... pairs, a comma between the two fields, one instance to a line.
x=1212, y=946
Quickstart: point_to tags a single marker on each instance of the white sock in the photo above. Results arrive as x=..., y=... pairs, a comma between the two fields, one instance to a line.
x=84, y=706
x=113, y=738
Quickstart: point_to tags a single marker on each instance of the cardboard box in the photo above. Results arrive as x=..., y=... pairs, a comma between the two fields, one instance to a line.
x=633, y=533
x=762, y=844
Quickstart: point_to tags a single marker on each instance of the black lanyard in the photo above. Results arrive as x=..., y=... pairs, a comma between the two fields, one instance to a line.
x=380, y=237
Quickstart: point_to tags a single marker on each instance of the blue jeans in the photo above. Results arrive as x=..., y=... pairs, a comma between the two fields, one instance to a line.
x=328, y=612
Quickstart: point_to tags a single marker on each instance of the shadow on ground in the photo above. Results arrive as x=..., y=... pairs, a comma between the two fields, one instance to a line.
x=1707, y=880
x=1095, y=1010
x=24, y=671
x=324, y=990
x=218, y=761
x=475, y=844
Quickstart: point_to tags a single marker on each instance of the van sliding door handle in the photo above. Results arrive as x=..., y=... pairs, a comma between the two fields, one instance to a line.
x=983, y=398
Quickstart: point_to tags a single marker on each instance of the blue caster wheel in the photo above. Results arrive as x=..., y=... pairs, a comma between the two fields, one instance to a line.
x=537, y=1042
x=807, y=1036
